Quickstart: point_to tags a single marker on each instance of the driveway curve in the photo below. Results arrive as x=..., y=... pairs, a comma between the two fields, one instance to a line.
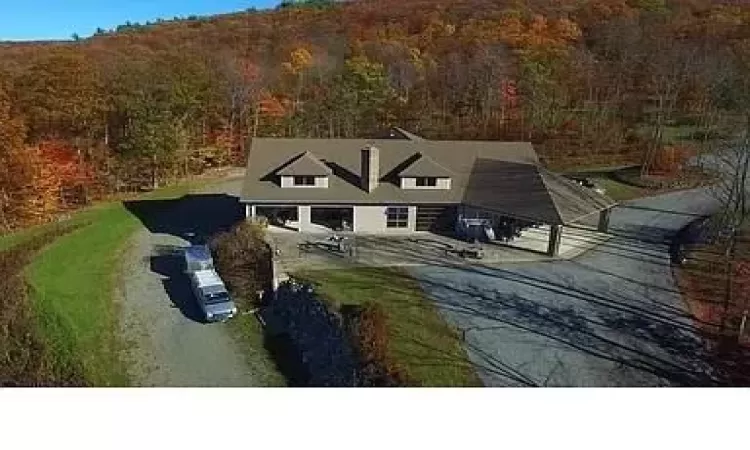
x=611, y=317
x=166, y=343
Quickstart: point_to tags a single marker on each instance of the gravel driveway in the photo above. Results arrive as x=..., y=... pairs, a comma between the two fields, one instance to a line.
x=611, y=317
x=167, y=345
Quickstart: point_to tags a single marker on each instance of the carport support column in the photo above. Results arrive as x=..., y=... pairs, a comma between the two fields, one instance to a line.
x=555, y=234
x=250, y=211
x=604, y=220
x=303, y=214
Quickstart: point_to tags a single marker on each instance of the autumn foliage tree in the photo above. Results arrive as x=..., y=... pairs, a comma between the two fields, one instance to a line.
x=19, y=171
x=589, y=82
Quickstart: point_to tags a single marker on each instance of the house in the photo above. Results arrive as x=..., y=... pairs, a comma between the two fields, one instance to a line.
x=402, y=183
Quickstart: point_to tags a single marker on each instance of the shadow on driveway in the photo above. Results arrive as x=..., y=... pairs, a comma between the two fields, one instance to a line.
x=167, y=262
x=526, y=321
x=194, y=218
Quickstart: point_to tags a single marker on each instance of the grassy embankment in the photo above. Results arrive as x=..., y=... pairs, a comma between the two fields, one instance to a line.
x=421, y=342
x=619, y=191
x=249, y=334
x=72, y=284
x=625, y=184
x=622, y=180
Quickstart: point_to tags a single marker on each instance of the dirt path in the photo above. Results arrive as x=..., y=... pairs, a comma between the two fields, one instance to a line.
x=166, y=344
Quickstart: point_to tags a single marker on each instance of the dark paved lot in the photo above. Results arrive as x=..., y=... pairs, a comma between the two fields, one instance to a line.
x=611, y=317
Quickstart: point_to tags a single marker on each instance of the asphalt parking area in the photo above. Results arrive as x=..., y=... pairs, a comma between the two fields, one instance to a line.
x=611, y=317
x=299, y=250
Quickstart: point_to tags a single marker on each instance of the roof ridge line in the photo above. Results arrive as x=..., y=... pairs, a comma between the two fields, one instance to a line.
x=548, y=192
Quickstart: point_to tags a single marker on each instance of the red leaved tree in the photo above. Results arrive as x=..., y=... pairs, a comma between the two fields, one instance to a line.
x=75, y=175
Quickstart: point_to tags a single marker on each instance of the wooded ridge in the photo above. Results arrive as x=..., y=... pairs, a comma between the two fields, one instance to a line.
x=588, y=81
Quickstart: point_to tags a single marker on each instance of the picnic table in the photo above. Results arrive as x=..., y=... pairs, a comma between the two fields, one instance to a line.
x=332, y=243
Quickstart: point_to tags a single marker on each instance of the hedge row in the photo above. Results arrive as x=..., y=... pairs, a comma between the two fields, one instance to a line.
x=24, y=358
x=369, y=330
x=308, y=341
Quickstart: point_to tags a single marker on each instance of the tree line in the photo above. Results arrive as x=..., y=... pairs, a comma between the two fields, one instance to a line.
x=600, y=81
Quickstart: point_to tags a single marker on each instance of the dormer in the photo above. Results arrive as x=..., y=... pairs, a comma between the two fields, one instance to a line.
x=425, y=173
x=305, y=171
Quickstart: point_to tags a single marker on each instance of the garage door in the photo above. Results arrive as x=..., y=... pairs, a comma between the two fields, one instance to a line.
x=437, y=218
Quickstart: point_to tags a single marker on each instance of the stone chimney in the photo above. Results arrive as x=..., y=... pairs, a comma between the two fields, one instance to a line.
x=370, y=168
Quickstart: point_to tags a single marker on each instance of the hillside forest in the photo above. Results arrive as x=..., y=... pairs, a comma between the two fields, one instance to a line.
x=590, y=82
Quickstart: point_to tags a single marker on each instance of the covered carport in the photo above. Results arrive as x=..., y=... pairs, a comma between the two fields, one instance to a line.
x=533, y=194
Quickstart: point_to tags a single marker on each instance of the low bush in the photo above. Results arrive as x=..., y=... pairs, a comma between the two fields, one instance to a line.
x=243, y=259
x=25, y=359
x=427, y=348
x=370, y=332
x=307, y=340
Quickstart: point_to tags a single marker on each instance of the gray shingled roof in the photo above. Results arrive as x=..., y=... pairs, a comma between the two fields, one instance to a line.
x=504, y=177
x=425, y=167
x=305, y=164
x=530, y=192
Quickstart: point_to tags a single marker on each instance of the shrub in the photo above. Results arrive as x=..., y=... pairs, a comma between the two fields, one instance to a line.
x=370, y=332
x=243, y=259
x=310, y=341
x=373, y=333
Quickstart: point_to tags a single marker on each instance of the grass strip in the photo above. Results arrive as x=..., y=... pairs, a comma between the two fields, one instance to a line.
x=421, y=342
x=73, y=283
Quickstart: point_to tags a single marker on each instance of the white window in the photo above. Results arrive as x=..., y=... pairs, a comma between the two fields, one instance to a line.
x=426, y=181
x=304, y=181
x=397, y=217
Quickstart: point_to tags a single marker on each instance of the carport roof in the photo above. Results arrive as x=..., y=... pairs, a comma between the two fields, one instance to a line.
x=530, y=192
x=503, y=177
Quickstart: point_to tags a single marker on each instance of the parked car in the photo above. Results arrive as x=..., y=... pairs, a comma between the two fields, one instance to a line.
x=587, y=183
x=210, y=291
x=212, y=296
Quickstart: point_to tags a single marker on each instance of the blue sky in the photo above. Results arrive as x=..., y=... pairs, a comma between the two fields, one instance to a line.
x=59, y=19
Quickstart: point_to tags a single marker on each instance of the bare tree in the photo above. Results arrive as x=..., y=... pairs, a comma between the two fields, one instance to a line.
x=670, y=65
x=732, y=192
x=733, y=163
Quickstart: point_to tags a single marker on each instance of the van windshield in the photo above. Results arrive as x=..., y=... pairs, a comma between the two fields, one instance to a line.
x=219, y=297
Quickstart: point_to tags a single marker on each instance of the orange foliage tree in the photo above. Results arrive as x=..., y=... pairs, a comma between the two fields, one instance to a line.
x=74, y=173
x=670, y=160
x=16, y=175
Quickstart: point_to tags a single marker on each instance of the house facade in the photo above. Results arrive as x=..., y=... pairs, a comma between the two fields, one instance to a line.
x=406, y=184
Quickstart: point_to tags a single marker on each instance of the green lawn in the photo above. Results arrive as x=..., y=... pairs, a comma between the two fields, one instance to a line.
x=421, y=341
x=619, y=191
x=248, y=332
x=73, y=283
